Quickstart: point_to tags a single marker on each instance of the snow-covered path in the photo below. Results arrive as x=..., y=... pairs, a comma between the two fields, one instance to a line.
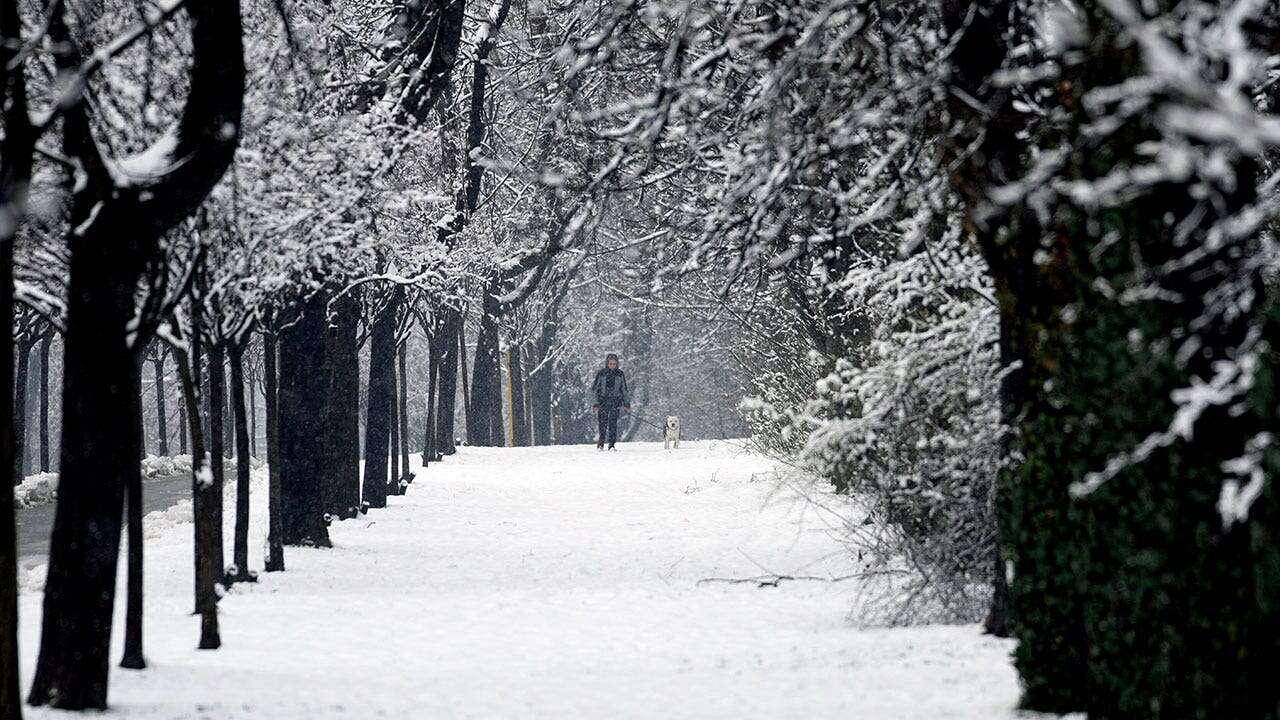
x=551, y=583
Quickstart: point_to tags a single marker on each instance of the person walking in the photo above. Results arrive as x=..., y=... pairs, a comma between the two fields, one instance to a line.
x=610, y=388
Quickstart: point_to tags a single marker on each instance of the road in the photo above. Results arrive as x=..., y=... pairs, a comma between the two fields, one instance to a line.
x=36, y=523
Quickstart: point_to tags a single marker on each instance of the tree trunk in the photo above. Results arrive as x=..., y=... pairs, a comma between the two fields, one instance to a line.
x=404, y=413
x=342, y=409
x=182, y=427
x=228, y=418
x=430, y=435
x=16, y=151
x=20, y=412
x=486, y=384
x=251, y=390
x=44, y=402
x=462, y=371
x=10, y=689
x=300, y=424
x=101, y=452
x=206, y=526
x=393, y=484
x=497, y=428
x=382, y=341
x=162, y=432
x=519, y=419
x=996, y=162
x=448, y=343
x=274, y=561
x=239, y=572
x=133, y=658
x=217, y=451
x=113, y=231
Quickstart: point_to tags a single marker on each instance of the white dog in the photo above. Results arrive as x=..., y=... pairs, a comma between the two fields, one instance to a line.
x=671, y=433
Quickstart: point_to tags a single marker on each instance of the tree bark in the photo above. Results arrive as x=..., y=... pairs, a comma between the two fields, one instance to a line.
x=182, y=427
x=44, y=401
x=113, y=232
x=393, y=483
x=486, y=384
x=342, y=408
x=162, y=424
x=133, y=657
x=217, y=451
x=229, y=423
x=274, y=561
x=20, y=411
x=251, y=391
x=430, y=434
x=239, y=572
x=381, y=379
x=101, y=450
x=995, y=162
x=208, y=570
x=449, y=342
x=10, y=690
x=462, y=372
x=16, y=151
x=404, y=413
x=300, y=424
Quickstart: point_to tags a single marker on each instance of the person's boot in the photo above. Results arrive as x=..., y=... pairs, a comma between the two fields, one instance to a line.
x=611, y=447
x=600, y=445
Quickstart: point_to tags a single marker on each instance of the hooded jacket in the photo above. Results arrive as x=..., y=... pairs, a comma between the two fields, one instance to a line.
x=610, y=388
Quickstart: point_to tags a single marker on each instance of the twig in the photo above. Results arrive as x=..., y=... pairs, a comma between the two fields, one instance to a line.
x=773, y=580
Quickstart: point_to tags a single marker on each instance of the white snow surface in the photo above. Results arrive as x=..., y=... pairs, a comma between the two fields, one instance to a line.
x=546, y=583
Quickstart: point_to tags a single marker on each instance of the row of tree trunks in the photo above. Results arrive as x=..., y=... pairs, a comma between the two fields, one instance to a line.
x=22, y=464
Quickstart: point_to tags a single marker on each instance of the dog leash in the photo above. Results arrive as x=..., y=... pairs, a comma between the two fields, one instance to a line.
x=646, y=422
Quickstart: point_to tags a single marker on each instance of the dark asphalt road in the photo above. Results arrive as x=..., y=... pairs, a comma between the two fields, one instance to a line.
x=35, y=524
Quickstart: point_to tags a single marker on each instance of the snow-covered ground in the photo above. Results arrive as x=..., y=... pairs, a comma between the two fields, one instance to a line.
x=549, y=583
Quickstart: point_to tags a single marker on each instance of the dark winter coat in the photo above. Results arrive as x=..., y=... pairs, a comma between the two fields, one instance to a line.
x=610, y=388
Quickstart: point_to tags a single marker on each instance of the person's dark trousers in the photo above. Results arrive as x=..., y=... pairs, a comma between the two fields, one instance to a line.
x=608, y=417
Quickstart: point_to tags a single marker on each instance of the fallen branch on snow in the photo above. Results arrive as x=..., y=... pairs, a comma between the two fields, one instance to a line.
x=773, y=580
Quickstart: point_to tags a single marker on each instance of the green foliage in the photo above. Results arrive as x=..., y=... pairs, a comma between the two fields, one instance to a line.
x=1136, y=593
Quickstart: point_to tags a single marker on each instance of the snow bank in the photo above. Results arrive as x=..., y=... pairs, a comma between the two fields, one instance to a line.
x=36, y=489
x=42, y=488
